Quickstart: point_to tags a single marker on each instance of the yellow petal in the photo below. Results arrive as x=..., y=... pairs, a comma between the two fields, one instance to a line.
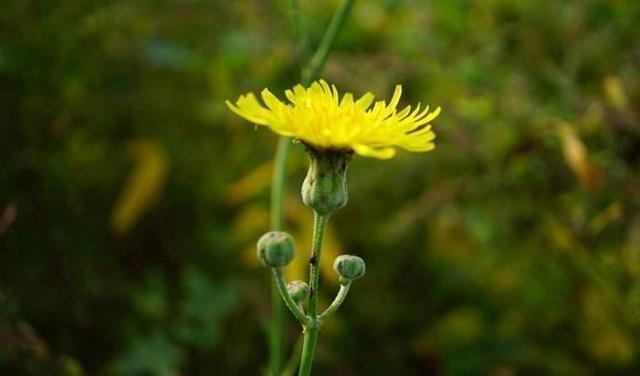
x=380, y=153
x=347, y=100
x=270, y=100
x=365, y=101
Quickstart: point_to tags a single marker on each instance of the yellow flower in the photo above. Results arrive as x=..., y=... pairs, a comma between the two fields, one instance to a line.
x=318, y=117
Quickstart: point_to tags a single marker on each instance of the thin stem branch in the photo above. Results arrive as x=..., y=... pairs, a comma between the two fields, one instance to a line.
x=276, y=327
x=320, y=57
x=311, y=332
x=319, y=225
x=288, y=300
x=302, y=40
x=337, y=302
x=278, y=183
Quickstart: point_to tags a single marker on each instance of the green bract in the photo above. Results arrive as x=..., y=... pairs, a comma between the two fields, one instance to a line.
x=325, y=187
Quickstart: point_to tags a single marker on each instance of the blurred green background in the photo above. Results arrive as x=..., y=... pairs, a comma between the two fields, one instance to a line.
x=131, y=198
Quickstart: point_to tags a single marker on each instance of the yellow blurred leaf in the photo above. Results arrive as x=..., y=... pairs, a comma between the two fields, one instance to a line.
x=578, y=159
x=251, y=184
x=603, y=219
x=252, y=219
x=144, y=185
x=615, y=92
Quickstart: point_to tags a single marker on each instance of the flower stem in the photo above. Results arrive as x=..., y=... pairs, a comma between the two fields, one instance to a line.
x=276, y=327
x=278, y=181
x=311, y=331
x=291, y=304
x=337, y=302
x=308, y=351
x=279, y=172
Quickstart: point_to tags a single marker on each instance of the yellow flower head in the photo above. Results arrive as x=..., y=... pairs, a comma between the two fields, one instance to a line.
x=318, y=117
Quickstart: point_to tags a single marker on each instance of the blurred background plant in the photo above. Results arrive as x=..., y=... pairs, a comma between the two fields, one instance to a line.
x=130, y=198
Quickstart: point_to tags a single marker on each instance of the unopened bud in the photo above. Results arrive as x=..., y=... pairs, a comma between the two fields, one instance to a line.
x=349, y=268
x=298, y=290
x=275, y=249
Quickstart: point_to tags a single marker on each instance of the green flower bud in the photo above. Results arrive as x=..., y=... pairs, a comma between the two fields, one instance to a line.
x=275, y=249
x=349, y=268
x=298, y=290
x=325, y=186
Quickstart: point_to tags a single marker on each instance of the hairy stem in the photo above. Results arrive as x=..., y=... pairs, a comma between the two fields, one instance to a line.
x=337, y=302
x=288, y=300
x=311, y=331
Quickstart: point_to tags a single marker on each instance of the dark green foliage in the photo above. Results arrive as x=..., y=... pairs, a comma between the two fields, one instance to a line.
x=513, y=248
